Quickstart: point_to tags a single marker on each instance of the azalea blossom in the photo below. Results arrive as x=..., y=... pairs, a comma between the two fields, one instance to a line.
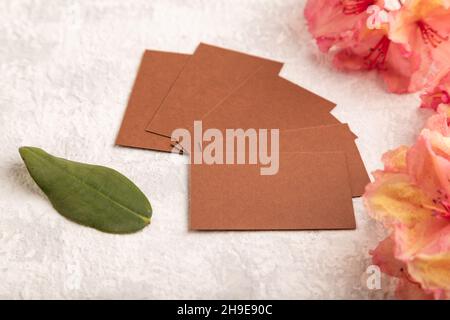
x=406, y=41
x=336, y=22
x=423, y=27
x=411, y=197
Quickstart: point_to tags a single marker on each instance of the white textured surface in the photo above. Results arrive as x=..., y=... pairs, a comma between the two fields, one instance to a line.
x=66, y=70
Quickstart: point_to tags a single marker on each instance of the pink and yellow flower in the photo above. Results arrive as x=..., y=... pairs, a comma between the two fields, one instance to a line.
x=408, y=43
x=423, y=27
x=411, y=198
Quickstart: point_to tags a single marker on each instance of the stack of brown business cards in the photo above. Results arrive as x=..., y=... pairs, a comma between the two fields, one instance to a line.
x=265, y=153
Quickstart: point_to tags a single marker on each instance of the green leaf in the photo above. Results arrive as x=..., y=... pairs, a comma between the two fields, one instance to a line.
x=90, y=195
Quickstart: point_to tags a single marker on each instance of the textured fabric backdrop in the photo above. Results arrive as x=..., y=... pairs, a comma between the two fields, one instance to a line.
x=66, y=70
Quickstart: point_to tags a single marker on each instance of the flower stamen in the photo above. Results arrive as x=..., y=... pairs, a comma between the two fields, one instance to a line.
x=356, y=6
x=377, y=55
x=442, y=201
x=446, y=207
x=429, y=35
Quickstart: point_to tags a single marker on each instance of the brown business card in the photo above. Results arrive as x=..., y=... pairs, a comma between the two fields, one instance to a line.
x=210, y=75
x=334, y=138
x=270, y=102
x=266, y=101
x=311, y=191
x=156, y=74
x=330, y=138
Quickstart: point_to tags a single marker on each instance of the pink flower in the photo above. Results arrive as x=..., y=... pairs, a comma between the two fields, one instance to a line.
x=423, y=27
x=407, y=288
x=376, y=51
x=429, y=169
x=411, y=197
x=406, y=41
x=358, y=29
x=336, y=22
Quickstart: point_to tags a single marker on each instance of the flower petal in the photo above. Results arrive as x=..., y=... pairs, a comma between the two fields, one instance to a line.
x=384, y=257
x=407, y=290
x=329, y=25
x=433, y=272
x=429, y=164
x=392, y=199
x=395, y=160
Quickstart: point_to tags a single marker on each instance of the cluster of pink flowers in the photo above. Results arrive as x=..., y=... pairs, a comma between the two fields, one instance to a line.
x=411, y=197
x=406, y=41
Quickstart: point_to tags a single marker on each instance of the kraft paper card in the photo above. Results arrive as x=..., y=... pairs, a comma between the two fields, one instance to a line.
x=268, y=102
x=336, y=138
x=310, y=191
x=332, y=138
x=157, y=72
x=209, y=76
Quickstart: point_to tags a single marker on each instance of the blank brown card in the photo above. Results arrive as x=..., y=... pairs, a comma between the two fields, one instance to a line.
x=311, y=191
